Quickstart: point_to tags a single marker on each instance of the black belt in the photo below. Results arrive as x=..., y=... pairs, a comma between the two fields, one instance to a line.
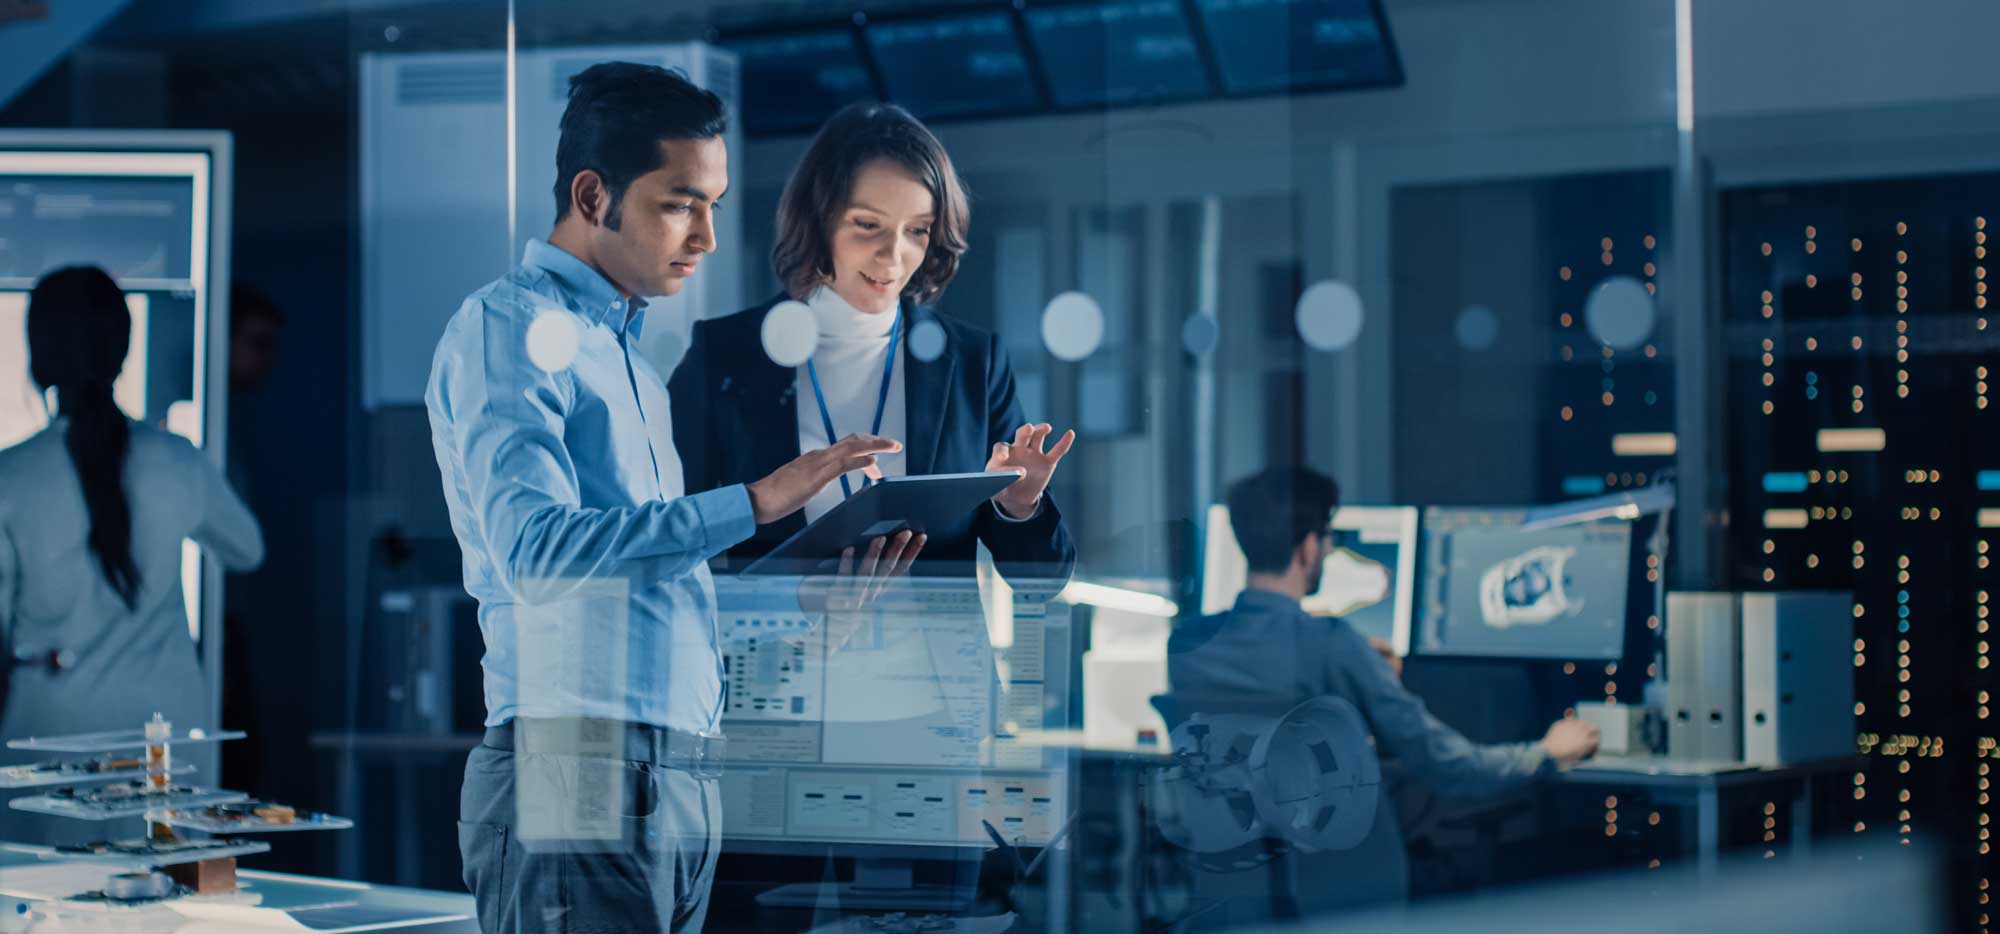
x=698, y=754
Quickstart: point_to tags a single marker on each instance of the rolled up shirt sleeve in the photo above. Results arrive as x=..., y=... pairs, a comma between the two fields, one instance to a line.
x=505, y=419
x=1435, y=753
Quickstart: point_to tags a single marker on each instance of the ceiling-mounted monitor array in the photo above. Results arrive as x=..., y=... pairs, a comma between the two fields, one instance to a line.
x=1061, y=55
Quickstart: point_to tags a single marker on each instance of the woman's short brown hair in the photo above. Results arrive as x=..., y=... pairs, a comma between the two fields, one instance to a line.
x=824, y=180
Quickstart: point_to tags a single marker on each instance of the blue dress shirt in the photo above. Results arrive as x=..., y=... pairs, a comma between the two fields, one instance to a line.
x=566, y=496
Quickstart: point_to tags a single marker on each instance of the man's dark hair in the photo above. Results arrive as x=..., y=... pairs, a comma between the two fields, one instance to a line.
x=1274, y=510
x=820, y=187
x=618, y=114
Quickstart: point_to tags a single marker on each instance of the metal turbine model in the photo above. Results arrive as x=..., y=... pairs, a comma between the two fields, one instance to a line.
x=1308, y=778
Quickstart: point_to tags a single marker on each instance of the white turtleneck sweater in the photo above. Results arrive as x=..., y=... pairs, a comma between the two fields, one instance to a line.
x=853, y=346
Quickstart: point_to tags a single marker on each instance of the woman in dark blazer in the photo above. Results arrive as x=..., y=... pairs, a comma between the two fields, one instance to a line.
x=869, y=232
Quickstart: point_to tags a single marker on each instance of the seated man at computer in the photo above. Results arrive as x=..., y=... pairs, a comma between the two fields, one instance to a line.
x=1268, y=649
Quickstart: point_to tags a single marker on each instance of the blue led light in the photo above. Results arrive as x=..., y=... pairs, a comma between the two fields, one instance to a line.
x=1583, y=486
x=1903, y=626
x=1902, y=596
x=1989, y=479
x=1784, y=483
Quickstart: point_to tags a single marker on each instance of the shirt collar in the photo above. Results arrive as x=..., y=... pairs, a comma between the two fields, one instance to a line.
x=1254, y=599
x=591, y=295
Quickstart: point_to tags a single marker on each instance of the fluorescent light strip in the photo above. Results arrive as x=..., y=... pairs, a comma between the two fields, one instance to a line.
x=1684, y=65
x=1658, y=444
x=1118, y=598
x=1852, y=440
x=1785, y=518
x=1989, y=518
x=53, y=162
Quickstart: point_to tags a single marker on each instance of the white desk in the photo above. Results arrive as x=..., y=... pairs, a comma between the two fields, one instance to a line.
x=1702, y=785
x=267, y=901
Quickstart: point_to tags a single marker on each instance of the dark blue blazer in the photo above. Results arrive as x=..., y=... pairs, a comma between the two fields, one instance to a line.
x=736, y=420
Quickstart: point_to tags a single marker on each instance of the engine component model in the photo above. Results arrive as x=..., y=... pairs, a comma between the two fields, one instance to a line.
x=1530, y=589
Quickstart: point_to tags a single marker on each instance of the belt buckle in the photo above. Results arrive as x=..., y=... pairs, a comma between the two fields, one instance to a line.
x=708, y=754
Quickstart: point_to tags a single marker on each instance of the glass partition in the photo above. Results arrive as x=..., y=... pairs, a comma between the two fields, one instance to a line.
x=1340, y=455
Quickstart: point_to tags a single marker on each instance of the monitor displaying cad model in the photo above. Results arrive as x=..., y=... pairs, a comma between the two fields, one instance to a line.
x=1369, y=580
x=899, y=734
x=1492, y=589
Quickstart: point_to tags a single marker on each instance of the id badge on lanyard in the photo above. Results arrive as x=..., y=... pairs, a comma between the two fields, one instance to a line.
x=881, y=398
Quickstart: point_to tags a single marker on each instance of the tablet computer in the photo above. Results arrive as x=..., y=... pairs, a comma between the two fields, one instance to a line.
x=886, y=507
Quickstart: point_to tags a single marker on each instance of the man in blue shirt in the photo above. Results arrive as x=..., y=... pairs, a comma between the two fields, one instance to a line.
x=1268, y=649
x=592, y=804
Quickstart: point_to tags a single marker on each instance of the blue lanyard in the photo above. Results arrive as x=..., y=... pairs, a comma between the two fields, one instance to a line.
x=881, y=398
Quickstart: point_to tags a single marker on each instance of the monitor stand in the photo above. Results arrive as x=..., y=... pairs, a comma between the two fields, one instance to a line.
x=879, y=885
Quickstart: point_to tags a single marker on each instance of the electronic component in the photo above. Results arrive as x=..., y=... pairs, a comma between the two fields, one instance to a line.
x=205, y=866
x=159, y=753
x=138, y=886
x=213, y=876
x=107, y=768
x=1621, y=727
x=247, y=817
x=147, y=851
x=123, y=799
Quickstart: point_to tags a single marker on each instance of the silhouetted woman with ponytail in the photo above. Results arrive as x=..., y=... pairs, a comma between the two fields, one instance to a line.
x=93, y=511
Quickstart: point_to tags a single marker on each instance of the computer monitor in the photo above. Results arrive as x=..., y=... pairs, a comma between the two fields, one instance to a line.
x=954, y=65
x=794, y=80
x=1369, y=580
x=23, y=412
x=1288, y=46
x=1113, y=52
x=899, y=737
x=1494, y=589
x=151, y=209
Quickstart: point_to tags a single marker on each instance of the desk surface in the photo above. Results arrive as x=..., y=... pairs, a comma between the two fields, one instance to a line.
x=268, y=900
x=1660, y=771
x=1076, y=741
